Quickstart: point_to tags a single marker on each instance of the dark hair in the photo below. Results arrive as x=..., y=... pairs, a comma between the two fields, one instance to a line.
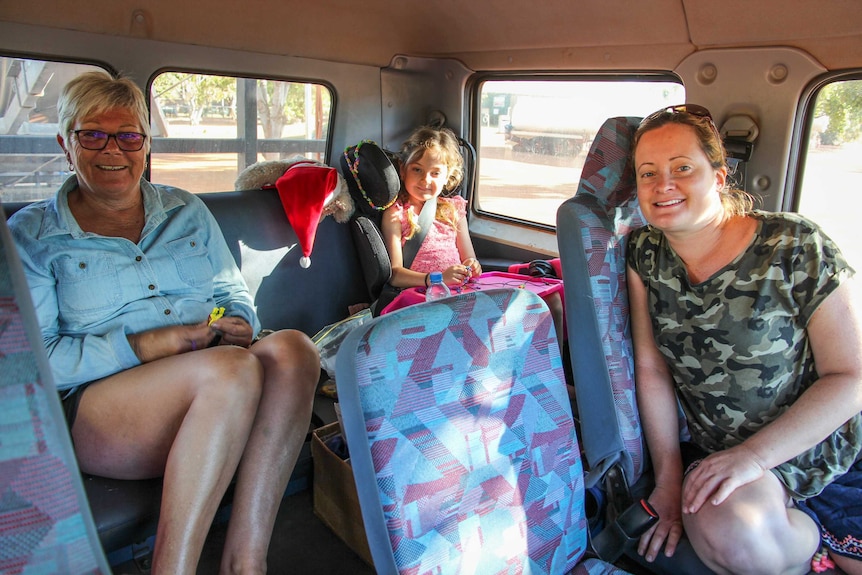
x=736, y=202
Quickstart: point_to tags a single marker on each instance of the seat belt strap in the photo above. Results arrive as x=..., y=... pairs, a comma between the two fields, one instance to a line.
x=426, y=220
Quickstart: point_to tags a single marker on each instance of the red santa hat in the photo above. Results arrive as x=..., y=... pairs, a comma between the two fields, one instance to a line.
x=305, y=189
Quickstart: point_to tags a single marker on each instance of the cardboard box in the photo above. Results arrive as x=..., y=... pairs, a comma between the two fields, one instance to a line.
x=335, y=500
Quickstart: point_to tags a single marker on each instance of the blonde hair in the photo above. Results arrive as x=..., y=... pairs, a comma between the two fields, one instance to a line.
x=735, y=202
x=442, y=144
x=96, y=92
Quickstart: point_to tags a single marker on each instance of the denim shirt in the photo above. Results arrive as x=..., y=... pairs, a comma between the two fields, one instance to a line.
x=91, y=291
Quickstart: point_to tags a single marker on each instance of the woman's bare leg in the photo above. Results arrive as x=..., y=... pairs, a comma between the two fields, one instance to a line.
x=186, y=417
x=292, y=368
x=846, y=564
x=755, y=530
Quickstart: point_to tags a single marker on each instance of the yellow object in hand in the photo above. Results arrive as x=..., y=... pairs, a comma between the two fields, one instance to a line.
x=215, y=314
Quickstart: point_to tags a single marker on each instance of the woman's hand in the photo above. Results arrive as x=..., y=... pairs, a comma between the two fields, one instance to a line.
x=166, y=341
x=668, y=530
x=234, y=331
x=718, y=475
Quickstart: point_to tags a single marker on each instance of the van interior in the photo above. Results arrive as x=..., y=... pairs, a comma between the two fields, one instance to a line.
x=526, y=87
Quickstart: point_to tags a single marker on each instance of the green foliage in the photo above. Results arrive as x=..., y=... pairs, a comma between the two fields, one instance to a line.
x=198, y=95
x=841, y=102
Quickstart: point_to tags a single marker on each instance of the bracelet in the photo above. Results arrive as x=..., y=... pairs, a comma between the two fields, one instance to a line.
x=427, y=277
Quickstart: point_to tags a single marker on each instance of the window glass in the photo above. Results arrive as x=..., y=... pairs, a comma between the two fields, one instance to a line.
x=206, y=129
x=32, y=164
x=831, y=191
x=535, y=134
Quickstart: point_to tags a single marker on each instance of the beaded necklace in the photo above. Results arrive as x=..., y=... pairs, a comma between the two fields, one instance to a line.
x=354, y=169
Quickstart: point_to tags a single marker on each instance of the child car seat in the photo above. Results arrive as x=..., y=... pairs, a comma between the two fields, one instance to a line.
x=373, y=181
x=461, y=439
x=45, y=521
x=592, y=228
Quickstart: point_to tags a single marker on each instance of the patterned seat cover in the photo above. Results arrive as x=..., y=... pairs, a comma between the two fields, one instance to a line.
x=592, y=228
x=591, y=232
x=461, y=438
x=45, y=523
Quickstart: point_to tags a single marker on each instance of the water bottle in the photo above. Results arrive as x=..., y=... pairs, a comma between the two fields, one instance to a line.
x=436, y=288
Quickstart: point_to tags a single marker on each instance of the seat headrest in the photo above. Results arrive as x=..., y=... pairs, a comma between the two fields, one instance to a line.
x=608, y=172
x=372, y=179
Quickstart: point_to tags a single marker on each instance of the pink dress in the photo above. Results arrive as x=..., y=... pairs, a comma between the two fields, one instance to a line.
x=439, y=251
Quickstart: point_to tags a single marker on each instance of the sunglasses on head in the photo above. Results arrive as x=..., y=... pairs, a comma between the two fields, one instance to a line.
x=693, y=109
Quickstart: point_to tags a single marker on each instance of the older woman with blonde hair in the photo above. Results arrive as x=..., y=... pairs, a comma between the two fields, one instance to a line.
x=124, y=275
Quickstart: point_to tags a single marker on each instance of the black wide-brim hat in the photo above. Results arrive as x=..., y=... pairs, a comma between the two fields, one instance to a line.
x=371, y=177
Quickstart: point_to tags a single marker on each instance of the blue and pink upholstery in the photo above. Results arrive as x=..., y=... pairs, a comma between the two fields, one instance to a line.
x=592, y=228
x=461, y=438
x=45, y=523
x=591, y=232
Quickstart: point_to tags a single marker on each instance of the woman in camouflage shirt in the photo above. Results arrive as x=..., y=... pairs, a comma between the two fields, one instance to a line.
x=745, y=318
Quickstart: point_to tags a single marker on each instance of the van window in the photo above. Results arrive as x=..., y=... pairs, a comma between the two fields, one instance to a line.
x=32, y=164
x=206, y=129
x=831, y=190
x=535, y=134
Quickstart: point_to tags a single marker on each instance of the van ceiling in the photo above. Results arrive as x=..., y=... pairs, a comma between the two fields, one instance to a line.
x=483, y=34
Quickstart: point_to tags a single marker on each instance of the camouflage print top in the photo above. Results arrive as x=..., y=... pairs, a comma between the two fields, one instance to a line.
x=736, y=343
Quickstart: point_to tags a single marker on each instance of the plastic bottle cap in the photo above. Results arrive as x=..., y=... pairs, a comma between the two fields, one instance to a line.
x=436, y=288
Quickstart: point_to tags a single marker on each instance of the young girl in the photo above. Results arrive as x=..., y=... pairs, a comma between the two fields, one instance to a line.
x=431, y=164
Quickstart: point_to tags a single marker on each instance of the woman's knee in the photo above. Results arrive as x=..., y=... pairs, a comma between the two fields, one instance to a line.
x=723, y=546
x=741, y=539
x=289, y=352
x=230, y=371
